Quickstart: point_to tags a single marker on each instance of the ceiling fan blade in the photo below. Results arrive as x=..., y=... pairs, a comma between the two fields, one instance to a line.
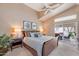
x=46, y=12
x=55, y=6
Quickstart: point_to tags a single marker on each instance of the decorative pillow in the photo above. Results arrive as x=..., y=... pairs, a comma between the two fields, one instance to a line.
x=39, y=34
x=36, y=35
x=31, y=34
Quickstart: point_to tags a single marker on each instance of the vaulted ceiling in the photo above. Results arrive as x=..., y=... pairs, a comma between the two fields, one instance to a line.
x=49, y=9
x=43, y=6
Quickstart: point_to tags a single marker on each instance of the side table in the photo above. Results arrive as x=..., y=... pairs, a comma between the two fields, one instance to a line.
x=16, y=41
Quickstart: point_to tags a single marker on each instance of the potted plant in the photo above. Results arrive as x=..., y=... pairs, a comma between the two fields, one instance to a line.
x=4, y=40
x=72, y=35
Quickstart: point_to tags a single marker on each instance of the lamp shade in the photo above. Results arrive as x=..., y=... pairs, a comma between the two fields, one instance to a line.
x=41, y=29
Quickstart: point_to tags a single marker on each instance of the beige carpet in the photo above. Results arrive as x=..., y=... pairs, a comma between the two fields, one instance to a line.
x=62, y=50
x=65, y=50
x=19, y=52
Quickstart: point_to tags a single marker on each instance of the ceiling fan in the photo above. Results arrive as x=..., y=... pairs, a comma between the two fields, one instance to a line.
x=50, y=7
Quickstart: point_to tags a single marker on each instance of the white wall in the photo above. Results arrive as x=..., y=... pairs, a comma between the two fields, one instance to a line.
x=13, y=15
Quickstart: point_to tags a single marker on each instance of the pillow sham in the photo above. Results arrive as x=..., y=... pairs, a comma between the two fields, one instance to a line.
x=35, y=34
x=31, y=34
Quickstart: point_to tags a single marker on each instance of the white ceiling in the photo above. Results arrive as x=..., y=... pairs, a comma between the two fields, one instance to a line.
x=57, y=11
x=35, y=6
x=39, y=7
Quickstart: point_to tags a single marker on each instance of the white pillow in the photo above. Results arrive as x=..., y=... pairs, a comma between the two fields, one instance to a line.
x=39, y=34
x=33, y=34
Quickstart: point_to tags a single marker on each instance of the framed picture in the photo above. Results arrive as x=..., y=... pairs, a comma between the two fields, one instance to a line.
x=34, y=26
x=27, y=25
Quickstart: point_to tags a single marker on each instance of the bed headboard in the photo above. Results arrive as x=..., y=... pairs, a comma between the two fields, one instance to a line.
x=27, y=33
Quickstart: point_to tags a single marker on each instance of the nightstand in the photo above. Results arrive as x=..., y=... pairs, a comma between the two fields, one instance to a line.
x=16, y=41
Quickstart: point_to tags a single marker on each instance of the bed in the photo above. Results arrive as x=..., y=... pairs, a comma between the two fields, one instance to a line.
x=40, y=46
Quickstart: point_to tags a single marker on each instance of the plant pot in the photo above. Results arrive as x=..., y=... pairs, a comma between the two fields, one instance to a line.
x=3, y=51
